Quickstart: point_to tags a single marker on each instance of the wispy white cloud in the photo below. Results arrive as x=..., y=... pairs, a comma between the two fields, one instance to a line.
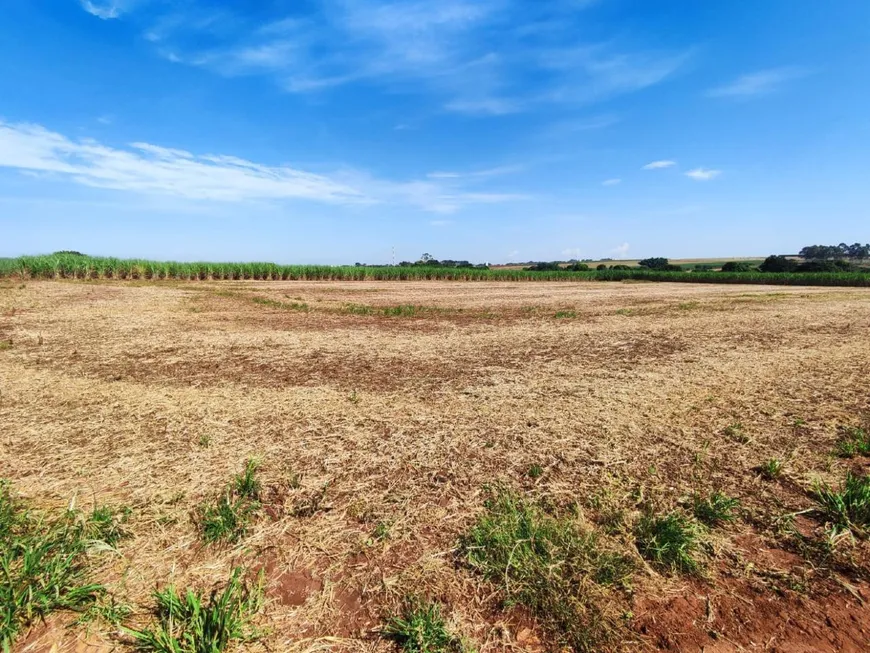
x=620, y=251
x=440, y=223
x=703, y=174
x=762, y=82
x=611, y=182
x=108, y=9
x=478, y=174
x=479, y=57
x=152, y=169
x=658, y=165
x=572, y=253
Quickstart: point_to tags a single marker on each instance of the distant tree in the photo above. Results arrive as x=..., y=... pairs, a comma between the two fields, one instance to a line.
x=544, y=267
x=68, y=252
x=578, y=267
x=857, y=251
x=736, y=266
x=777, y=263
x=655, y=263
x=426, y=258
x=620, y=266
x=601, y=266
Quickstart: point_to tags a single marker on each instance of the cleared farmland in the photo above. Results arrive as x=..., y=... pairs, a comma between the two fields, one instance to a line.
x=501, y=466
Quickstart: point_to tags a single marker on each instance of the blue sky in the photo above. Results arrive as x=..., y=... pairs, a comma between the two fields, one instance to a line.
x=491, y=130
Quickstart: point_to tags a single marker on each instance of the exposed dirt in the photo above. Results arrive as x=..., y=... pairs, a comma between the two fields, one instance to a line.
x=377, y=435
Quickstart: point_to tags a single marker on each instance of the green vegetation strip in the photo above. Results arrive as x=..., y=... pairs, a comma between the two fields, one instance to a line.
x=562, y=574
x=73, y=266
x=45, y=561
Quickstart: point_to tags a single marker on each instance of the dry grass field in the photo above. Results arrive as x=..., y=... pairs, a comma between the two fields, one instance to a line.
x=383, y=416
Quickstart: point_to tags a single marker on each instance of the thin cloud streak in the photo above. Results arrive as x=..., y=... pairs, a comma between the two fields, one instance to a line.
x=758, y=83
x=703, y=174
x=151, y=169
x=659, y=165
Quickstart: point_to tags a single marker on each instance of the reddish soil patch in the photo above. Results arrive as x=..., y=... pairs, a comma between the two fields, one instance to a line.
x=294, y=587
x=733, y=617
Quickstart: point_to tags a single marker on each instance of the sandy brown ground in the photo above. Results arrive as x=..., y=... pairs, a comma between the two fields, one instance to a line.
x=153, y=395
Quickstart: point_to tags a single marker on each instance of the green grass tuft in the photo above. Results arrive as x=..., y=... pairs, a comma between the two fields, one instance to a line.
x=854, y=442
x=420, y=628
x=714, y=510
x=192, y=623
x=848, y=508
x=535, y=471
x=246, y=484
x=228, y=519
x=565, y=314
x=671, y=541
x=45, y=562
x=735, y=432
x=562, y=575
x=771, y=469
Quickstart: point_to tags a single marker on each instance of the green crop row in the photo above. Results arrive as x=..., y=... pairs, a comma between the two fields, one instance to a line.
x=72, y=266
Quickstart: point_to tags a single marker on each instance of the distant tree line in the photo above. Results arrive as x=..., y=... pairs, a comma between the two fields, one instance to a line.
x=857, y=251
x=429, y=261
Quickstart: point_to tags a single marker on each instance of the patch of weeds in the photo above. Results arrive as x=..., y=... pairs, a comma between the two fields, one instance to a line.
x=671, y=541
x=847, y=508
x=382, y=531
x=44, y=561
x=688, y=306
x=194, y=623
x=716, y=509
x=565, y=314
x=735, y=432
x=246, y=484
x=353, y=397
x=535, y=471
x=228, y=519
x=853, y=442
x=420, y=628
x=563, y=576
x=204, y=441
x=402, y=311
x=357, y=309
x=107, y=610
x=106, y=524
x=626, y=311
x=286, y=306
x=5, y=344
x=771, y=469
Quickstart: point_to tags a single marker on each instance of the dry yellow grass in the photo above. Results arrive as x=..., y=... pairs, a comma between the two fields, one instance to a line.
x=109, y=393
